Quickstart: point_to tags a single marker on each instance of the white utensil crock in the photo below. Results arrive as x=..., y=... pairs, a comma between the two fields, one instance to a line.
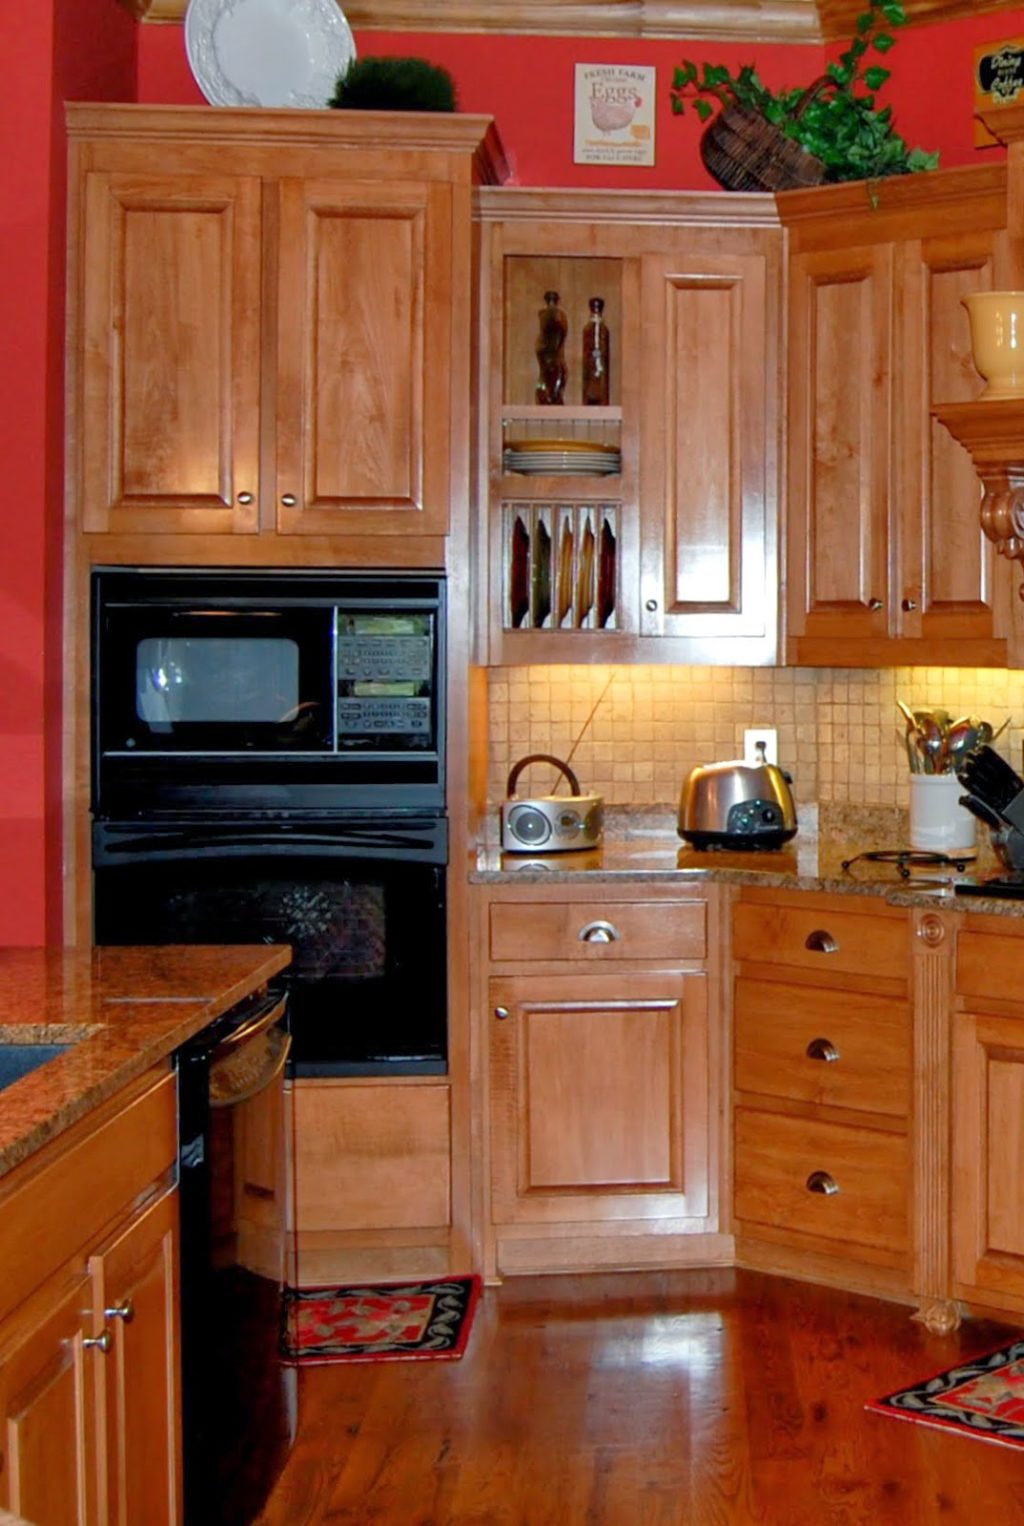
x=938, y=822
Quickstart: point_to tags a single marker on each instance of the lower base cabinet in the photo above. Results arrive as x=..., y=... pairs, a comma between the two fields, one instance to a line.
x=89, y=1339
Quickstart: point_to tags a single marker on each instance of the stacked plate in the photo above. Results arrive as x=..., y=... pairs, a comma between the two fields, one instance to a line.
x=562, y=458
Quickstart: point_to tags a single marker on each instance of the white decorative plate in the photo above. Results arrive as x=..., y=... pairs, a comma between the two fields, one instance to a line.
x=267, y=52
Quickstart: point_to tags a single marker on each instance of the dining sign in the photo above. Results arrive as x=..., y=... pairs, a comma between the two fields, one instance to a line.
x=998, y=81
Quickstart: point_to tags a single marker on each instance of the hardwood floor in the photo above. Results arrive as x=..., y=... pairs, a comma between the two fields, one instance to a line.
x=702, y=1397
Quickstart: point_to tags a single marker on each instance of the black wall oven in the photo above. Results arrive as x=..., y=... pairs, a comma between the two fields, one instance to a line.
x=268, y=765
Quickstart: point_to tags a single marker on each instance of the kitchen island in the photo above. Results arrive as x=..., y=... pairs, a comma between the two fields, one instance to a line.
x=90, y=1397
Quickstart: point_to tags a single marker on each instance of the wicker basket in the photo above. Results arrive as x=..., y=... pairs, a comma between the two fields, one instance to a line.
x=745, y=152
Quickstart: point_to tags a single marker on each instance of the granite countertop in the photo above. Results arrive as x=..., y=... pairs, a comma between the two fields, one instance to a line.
x=644, y=847
x=122, y=1010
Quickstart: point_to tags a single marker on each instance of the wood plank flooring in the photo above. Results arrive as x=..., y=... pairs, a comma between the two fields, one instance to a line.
x=705, y=1397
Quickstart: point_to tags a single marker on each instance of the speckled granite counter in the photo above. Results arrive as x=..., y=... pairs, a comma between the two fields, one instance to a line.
x=643, y=847
x=122, y=1010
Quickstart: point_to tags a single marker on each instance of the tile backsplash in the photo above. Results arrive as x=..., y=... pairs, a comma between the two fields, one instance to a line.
x=641, y=729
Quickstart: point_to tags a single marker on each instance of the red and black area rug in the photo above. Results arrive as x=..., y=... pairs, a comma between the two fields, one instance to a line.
x=982, y=1397
x=382, y=1321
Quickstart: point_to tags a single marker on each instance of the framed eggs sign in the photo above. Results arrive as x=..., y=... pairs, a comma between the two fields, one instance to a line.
x=614, y=114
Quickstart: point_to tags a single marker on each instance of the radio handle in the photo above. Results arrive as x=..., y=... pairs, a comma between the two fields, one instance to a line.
x=540, y=757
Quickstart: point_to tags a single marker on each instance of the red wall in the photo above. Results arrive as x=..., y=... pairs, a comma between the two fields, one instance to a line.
x=92, y=50
x=526, y=84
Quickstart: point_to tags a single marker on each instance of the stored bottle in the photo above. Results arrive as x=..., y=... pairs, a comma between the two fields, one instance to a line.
x=596, y=354
x=551, y=351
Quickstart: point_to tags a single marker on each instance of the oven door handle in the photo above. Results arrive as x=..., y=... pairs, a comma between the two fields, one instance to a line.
x=260, y=1021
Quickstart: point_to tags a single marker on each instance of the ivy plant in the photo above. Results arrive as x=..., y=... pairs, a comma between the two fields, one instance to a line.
x=836, y=118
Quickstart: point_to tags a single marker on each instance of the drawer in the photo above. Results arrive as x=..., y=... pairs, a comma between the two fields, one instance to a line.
x=598, y=930
x=835, y=1047
x=777, y=1157
x=834, y=942
x=990, y=965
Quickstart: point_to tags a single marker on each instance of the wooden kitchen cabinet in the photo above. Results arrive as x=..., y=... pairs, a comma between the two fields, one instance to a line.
x=264, y=329
x=822, y=1077
x=671, y=556
x=887, y=559
x=602, y=1080
x=89, y=1360
x=988, y=1116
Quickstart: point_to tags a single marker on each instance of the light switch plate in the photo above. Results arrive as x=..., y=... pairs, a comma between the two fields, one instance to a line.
x=766, y=734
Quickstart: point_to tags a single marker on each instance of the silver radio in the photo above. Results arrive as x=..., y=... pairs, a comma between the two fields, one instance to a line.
x=550, y=823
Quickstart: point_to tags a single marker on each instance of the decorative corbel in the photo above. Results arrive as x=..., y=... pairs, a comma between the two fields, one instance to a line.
x=992, y=433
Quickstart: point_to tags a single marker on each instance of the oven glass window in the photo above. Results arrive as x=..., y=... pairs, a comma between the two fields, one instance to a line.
x=214, y=679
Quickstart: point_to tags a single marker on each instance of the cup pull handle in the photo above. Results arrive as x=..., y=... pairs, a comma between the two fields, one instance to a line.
x=820, y=1181
x=599, y=932
x=821, y=942
x=822, y=1049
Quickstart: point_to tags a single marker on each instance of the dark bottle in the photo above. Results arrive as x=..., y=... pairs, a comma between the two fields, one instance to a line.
x=551, y=351
x=595, y=355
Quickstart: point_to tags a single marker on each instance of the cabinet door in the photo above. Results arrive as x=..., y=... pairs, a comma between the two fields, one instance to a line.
x=839, y=420
x=135, y=1294
x=945, y=589
x=988, y=1158
x=170, y=364
x=364, y=358
x=599, y=1097
x=708, y=456
x=49, y=1462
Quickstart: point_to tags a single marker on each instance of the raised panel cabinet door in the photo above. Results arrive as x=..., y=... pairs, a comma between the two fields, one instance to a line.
x=839, y=395
x=988, y=1156
x=49, y=1443
x=599, y=1098
x=169, y=366
x=946, y=588
x=135, y=1302
x=364, y=358
x=707, y=452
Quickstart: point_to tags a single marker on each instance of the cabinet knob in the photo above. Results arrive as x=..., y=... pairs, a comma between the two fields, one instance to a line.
x=651, y=606
x=874, y=604
x=124, y=1310
x=245, y=498
x=820, y=1181
x=821, y=942
x=100, y=1342
x=599, y=932
x=907, y=605
x=822, y=1049
x=501, y=1013
x=289, y=500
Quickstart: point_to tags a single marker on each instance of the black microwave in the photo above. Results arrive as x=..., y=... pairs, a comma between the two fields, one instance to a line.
x=266, y=690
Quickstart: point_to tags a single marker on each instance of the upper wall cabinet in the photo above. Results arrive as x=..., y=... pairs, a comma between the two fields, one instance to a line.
x=640, y=526
x=887, y=562
x=263, y=338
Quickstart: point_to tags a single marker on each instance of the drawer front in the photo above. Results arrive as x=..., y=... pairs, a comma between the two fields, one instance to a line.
x=777, y=1158
x=990, y=966
x=828, y=1046
x=602, y=930
x=834, y=942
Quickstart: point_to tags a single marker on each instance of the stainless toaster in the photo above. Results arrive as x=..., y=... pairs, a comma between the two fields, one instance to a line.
x=737, y=805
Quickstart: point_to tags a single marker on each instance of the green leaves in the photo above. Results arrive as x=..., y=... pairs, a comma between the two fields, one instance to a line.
x=839, y=123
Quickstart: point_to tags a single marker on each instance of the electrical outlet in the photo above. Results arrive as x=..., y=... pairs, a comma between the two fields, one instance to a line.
x=756, y=734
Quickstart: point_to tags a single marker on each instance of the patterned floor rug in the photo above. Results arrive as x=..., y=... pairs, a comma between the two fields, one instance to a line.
x=379, y=1322
x=981, y=1397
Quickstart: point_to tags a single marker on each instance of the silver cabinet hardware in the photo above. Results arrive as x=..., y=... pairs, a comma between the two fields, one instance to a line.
x=651, y=605
x=289, y=500
x=124, y=1310
x=599, y=932
x=100, y=1342
x=245, y=498
x=908, y=605
x=820, y=1181
x=822, y=1049
x=874, y=604
x=821, y=942
x=501, y=1013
